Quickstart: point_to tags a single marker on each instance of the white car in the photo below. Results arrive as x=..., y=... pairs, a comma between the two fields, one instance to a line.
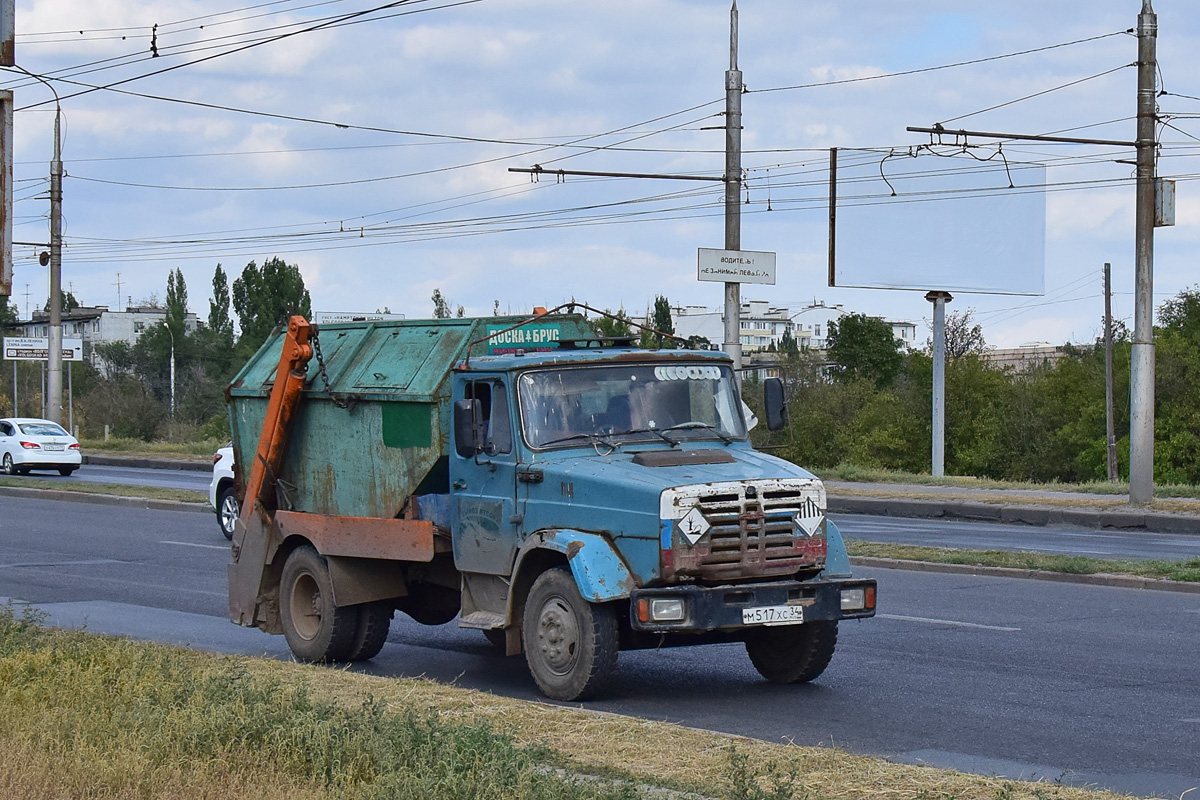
x=222, y=493
x=27, y=443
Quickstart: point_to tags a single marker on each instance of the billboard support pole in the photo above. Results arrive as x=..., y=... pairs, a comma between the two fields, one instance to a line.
x=939, y=300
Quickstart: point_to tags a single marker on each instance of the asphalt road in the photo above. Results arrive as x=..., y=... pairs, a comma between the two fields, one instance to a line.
x=134, y=476
x=1029, y=679
x=1054, y=539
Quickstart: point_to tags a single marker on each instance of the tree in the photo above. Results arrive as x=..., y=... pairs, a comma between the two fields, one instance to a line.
x=266, y=296
x=962, y=338
x=441, y=306
x=864, y=347
x=177, y=304
x=8, y=312
x=788, y=345
x=614, y=325
x=660, y=321
x=69, y=303
x=219, y=321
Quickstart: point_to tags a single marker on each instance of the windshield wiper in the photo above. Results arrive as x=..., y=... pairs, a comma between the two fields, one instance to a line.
x=691, y=425
x=591, y=437
x=655, y=431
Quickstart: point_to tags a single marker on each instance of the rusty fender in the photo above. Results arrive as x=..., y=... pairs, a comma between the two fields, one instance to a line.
x=599, y=572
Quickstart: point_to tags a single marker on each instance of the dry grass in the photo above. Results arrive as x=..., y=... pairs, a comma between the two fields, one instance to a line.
x=85, y=716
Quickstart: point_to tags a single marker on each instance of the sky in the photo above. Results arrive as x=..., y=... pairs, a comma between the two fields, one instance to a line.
x=373, y=149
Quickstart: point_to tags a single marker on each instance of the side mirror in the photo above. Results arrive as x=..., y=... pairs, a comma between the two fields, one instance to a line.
x=467, y=428
x=776, y=404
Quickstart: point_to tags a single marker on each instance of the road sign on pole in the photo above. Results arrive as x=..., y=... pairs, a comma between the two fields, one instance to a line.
x=38, y=349
x=735, y=266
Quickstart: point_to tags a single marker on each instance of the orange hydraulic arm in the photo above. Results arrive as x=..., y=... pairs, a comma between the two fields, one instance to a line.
x=251, y=538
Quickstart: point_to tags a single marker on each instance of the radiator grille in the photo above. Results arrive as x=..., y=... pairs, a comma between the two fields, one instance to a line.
x=753, y=534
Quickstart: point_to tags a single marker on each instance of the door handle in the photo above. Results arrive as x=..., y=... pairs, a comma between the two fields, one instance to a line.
x=459, y=484
x=530, y=476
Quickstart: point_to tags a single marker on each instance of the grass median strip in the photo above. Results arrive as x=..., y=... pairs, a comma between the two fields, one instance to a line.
x=119, y=490
x=1188, y=570
x=91, y=716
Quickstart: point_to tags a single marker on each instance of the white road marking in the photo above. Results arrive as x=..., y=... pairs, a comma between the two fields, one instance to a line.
x=193, y=544
x=951, y=622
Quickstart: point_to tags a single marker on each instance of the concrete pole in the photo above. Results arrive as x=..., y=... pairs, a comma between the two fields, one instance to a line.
x=1141, y=390
x=939, y=300
x=733, y=183
x=54, y=392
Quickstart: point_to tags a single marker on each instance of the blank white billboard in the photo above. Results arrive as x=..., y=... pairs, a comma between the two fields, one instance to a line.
x=953, y=224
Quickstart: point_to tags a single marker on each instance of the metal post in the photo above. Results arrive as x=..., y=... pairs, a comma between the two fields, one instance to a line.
x=733, y=183
x=70, y=400
x=1141, y=387
x=939, y=300
x=15, y=412
x=1108, y=375
x=168, y=326
x=55, y=387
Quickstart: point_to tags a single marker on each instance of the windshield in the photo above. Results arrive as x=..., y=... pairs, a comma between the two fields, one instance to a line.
x=629, y=403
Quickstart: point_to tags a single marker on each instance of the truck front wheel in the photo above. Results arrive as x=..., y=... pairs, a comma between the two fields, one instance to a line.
x=570, y=644
x=792, y=653
x=316, y=630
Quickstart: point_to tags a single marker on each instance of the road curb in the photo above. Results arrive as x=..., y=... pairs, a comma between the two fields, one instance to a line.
x=1120, y=581
x=105, y=499
x=1154, y=521
x=109, y=460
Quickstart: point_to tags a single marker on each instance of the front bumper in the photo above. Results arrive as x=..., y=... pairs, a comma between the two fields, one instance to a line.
x=720, y=608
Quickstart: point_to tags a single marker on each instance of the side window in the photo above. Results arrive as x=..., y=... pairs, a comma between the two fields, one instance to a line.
x=5, y=429
x=493, y=403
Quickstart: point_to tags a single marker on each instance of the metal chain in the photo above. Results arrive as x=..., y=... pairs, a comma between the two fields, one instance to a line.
x=316, y=342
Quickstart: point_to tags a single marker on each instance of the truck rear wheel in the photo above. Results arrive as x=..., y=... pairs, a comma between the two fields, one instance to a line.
x=316, y=630
x=570, y=644
x=792, y=653
x=374, y=620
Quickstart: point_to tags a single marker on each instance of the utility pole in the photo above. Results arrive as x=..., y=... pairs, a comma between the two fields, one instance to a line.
x=1141, y=387
x=54, y=389
x=733, y=183
x=939, y=300
x=1108, y=375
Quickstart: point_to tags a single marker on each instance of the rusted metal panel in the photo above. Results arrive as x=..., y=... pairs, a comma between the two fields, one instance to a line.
x=361, y=537
x=737, y=530
x=344, y=461
x=360, y=580
x=599, y=572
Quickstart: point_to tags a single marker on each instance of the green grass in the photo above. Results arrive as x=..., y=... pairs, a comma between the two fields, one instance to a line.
x=1188, y=571
x=138, y=447
x=120, y=490
x=97, y=717
x=856, y=474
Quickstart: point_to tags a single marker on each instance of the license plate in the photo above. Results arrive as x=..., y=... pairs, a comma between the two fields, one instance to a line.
x=773, y=615
x=54, y=447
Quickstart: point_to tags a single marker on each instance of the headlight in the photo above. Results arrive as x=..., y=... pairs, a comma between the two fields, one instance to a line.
x=854, y=599
x=661, y=609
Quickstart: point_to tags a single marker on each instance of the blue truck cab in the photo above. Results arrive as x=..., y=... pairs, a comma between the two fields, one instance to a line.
x=567, y=496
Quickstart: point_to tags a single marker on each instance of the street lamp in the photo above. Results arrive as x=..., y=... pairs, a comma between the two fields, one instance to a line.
x=171, y=333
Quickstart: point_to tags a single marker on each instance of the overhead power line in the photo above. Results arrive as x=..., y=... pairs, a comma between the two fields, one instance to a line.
x=954, y=65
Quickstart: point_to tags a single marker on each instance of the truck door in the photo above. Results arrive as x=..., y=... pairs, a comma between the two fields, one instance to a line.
x=484, y=486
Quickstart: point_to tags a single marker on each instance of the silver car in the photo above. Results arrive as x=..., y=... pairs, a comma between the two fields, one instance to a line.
x=27, y=443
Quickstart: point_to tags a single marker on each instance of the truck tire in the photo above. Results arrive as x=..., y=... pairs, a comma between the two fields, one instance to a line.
x=792, y=653
x=316, y=630
x=374, y=620
x=570, y=644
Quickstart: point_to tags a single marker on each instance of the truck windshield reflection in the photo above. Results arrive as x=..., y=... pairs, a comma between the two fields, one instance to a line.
x=613, y=405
